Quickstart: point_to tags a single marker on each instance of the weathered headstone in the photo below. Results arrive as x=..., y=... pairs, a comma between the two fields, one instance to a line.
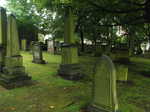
x=50, y=46
x=57, y=47
x=24, y=44
x=3, y=36
x=122, y=59
x=13, y=73
x=122, y=72
x=121, y=54
x=98, y=49
x=31, y=46
x=37, y=53
x=104, y=87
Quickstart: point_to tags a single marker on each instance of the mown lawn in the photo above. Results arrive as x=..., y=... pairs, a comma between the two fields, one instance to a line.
x=51, y=93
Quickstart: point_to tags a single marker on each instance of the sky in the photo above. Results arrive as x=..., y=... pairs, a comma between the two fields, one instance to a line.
x=3, y=3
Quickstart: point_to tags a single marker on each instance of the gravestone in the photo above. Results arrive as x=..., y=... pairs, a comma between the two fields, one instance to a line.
x=50, y=46
x=37, y=53
x=122, y=72
x=121, y=56
x=13, y=73
x=24, y=44
x=98, y=49
x=31, y=47
x=3, y=36
x=70, y=68
x=104, y=87
x=122, y=59
x=57, y=47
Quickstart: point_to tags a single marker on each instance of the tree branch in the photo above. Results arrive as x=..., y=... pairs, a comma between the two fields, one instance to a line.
x=115, y=11
x=134, y=3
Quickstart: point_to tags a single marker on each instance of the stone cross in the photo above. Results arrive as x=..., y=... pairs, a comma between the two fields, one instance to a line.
x=3, y=36
x=13, y=73
x=104, y=88
x=37, y=53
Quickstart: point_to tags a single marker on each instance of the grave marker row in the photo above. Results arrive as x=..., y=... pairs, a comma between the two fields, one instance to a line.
x=12, y=70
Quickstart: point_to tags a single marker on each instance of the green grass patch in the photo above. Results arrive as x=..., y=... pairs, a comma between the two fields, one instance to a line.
x=51, y=93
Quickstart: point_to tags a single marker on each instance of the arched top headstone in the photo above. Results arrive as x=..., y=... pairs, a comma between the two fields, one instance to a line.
x=104, y=89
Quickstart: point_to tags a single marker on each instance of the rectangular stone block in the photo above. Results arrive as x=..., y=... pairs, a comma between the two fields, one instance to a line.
x=13, y=61
x=69, y=55
x=122, y=72
x=24, y=44
x=15, y=71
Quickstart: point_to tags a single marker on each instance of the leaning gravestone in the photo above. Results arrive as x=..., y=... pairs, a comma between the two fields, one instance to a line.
x=3, y=36
x=37, y=53
x=13, y=73
x=104, y=89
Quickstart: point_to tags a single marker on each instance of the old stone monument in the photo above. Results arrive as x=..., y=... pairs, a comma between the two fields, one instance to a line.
x=31, y=46
x=69, y=68
x=13, y=73
x=50, y=46
x=24, y=44
x=37, y=53
x=57, y=47
x=104, y=87
x=121, y=58
x=122, y=72
x=3, y=36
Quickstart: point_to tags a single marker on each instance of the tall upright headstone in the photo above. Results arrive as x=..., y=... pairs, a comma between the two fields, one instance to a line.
x=122, y=72
x=24, y=44
x=14, y=72
x=3, y=36
x=50, y=46
x=69, y=67
x=37, y=53
x=104, y=87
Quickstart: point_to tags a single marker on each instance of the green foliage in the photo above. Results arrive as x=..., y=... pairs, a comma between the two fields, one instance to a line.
x=97, y=19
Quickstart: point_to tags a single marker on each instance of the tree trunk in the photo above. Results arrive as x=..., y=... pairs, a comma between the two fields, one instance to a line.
x=82, y=40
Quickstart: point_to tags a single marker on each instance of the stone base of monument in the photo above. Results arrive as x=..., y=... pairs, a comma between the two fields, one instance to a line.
x=14, y=77
x=13, y=74
x=96, y=109
x=70, y=71
x=92, y=108
x=14, y=82
x=37, y=61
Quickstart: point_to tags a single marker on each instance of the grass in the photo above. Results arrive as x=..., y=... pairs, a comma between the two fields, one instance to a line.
x=51, y=93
